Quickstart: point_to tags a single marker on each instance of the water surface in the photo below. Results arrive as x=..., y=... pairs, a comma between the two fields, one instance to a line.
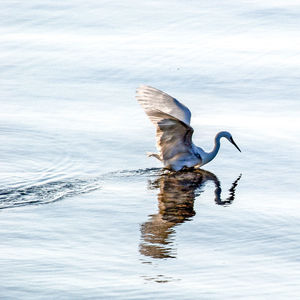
x=84, y=212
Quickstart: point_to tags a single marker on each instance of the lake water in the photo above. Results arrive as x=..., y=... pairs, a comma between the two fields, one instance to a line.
x=85, y=214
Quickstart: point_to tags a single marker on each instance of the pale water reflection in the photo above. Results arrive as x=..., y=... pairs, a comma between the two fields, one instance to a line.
x=177, y=193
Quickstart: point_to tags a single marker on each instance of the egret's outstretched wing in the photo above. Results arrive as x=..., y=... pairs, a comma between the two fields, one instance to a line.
x=154, y=99
x=172, y=121
x=173, y=136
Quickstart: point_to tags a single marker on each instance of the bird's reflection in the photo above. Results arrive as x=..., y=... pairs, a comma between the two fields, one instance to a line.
x=177, y=192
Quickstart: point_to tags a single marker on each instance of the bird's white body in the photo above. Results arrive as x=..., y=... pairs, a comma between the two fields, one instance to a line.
x=173, y=131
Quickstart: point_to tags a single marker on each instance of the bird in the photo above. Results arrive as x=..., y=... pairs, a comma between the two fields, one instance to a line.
x=176, y=149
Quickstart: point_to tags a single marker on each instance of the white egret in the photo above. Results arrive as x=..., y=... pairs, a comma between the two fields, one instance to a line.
x=173, y=131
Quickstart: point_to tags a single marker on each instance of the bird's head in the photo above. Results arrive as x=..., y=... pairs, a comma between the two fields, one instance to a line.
x=228, y=136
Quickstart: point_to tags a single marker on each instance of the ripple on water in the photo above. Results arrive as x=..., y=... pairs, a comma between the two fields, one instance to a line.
x=45, y=193
x=39, y=170
x=36, y=158
x=47, y=173
x=43, y=168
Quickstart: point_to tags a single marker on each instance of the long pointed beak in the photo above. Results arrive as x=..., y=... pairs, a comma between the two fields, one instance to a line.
x=233, y=142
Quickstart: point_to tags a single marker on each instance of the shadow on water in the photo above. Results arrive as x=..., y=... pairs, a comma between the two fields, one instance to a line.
x=177, y=193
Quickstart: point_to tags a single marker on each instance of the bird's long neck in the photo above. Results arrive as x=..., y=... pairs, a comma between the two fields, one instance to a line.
x=211, y=155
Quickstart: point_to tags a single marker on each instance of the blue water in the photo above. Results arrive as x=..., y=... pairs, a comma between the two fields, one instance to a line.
x=85, y=214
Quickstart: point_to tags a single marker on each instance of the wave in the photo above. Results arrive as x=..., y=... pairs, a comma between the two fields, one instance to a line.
x=53, y=190
x=45, y=193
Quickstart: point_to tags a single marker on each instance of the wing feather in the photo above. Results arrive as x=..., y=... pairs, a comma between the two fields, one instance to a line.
x=171, y=118
x=173, y=137
x=151, y=98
